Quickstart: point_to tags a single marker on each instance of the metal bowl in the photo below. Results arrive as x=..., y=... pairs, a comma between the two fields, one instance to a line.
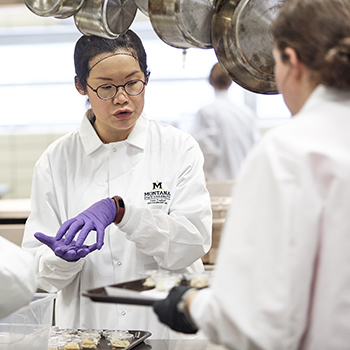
x=55, y=8
x=105, y=18
x=242, y=40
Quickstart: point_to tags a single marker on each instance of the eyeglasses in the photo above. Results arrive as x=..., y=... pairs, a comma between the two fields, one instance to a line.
x=108, y=91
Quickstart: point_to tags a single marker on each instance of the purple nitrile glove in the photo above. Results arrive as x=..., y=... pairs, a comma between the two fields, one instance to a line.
x=97, y=217
x=70, y=253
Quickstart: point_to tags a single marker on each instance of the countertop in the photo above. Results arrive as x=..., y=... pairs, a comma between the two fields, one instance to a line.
x=14, y=208
x=175, y=344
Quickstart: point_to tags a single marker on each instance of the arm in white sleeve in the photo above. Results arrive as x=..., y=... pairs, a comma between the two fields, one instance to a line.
x=183, y=235
x=53, y=273
x=17, y=277
x=260, y=292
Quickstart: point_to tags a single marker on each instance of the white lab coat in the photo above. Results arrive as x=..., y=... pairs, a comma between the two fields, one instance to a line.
x=226, y=133
x=283, y=270
x=17, y=277
x=158, y=171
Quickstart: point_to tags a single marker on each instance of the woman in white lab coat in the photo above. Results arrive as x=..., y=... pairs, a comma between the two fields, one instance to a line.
x=163, y=219
x=283, y=270
x=17, y=277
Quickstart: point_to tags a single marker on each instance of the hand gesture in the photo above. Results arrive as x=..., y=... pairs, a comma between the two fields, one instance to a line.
x=68, y=252
x=97, y=217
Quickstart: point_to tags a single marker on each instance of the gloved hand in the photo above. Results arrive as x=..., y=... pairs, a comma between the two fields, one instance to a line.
x=69, y=252
x=172, y=314
x=97, y=217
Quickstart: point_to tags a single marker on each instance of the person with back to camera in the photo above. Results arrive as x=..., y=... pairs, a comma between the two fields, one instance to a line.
x=225, y=131
x=152, y=175
x=283, y=271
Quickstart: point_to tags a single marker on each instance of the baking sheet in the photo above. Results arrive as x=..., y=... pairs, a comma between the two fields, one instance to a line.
x=133, y=292
x=139, y=337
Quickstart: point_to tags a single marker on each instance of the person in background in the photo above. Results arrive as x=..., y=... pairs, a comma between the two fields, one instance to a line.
x=225, y=131
x=121, y=195
x=283, y=271
x=17, y=277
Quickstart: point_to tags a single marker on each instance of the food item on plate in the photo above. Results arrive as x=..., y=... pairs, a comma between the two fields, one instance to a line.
x=119, y=339
x=88, y=344
x=120, y=343
x=162, y=280
x=149, y=282
x=73, y=343
x=199, y=281
x=72, y=346
x=165, y=284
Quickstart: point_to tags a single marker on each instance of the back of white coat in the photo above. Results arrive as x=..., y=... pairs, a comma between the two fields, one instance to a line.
x=226, y=132
x=283, y=269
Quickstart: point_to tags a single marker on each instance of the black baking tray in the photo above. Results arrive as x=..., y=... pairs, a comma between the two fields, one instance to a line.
x=129, y=294
x=139, y=337
x=124, y=293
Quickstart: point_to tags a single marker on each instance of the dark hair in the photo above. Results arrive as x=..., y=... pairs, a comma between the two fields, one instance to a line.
x=319, y=32
x=88, y=47
x=218, y=78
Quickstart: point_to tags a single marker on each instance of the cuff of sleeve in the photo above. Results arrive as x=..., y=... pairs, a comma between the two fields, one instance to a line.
x=128, y=225
x=53, y=262
x=198, y=304
x=181, y=306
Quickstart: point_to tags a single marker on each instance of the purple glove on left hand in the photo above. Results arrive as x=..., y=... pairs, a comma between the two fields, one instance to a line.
x=97, y=217
x=70, y=253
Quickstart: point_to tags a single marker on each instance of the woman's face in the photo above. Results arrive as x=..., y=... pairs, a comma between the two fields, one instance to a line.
x=115, y=118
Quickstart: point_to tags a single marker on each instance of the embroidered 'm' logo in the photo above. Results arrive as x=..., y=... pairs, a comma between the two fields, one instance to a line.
x=157, y=185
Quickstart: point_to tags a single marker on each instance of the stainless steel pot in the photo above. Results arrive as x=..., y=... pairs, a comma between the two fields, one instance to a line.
x=243, y=42
x=105, y=18
x=182, y=23
x=142, y=5
x=55, y=8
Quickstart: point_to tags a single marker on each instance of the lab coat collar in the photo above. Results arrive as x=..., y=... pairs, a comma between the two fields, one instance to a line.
x=138, y=135
x=88, y=135
x=323, y=93
x=91, y=141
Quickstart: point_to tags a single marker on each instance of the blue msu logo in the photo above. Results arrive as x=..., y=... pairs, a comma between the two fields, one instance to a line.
x=157, y=195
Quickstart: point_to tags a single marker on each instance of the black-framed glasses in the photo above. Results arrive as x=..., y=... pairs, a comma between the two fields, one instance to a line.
x=108, y=91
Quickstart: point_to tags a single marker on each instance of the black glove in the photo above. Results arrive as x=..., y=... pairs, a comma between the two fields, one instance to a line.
x=172, y=312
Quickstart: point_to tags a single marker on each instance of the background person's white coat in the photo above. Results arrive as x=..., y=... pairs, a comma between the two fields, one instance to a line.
x=226, y=132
